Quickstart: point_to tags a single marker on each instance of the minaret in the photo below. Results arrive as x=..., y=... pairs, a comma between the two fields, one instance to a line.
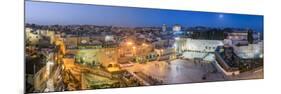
x=164, y=27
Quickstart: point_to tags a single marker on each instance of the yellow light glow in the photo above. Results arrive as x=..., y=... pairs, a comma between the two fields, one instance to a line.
x=129, y=43
x=143, y=44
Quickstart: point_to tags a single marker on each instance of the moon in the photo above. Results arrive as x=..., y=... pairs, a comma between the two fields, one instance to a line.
x=221, y=15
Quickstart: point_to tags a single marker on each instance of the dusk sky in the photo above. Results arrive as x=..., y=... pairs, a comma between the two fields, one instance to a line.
x=46, y=13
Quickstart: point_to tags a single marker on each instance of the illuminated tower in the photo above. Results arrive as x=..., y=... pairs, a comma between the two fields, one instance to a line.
x=176, y=28
x=164, y=28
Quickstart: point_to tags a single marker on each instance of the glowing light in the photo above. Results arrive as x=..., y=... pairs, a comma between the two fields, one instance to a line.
x=109, y=38
x=261, y=55
x=221, y=15
x=175, y=45
x=144, y=44
x=129, y=43
x=162, y=50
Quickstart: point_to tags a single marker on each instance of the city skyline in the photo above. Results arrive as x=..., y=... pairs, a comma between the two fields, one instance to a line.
x=69, y=14
x=72, y=47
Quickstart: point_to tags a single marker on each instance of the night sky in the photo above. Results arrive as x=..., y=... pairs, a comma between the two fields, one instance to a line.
x=47, y=13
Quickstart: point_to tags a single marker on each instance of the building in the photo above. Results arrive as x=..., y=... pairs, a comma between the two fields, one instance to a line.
x=249, y=57
x=71, y=42
x=32, y=36
x=208, y=34
x=233, y=60
x=250, y=51
x=109, y=38
x=164, y=28
x=238, y=38
x=166, y=54
x=176, y=28
x=180, y=44
x=196, y=45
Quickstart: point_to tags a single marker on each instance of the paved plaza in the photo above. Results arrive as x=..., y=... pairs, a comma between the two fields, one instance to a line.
x=178, y=71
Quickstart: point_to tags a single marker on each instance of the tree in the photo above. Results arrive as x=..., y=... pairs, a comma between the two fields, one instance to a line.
x=250, y=36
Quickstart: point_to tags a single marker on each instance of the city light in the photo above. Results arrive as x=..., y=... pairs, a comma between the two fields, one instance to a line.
x=129, y=43
x=261, y=55
x=144, y=44
x=105, y=54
